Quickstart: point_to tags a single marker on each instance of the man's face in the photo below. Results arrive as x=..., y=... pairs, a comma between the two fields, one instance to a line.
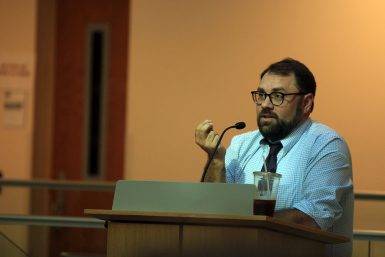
x=276, y=122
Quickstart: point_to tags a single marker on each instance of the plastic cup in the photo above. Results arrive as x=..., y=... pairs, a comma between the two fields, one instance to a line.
x=266, y=184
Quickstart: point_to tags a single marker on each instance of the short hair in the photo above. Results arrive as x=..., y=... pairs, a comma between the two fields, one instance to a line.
x=303, y=76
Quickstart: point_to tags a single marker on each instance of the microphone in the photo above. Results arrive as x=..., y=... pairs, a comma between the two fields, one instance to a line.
x=238, y=125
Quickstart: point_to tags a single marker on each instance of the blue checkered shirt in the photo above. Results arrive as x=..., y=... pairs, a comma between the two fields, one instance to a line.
x=316, y=171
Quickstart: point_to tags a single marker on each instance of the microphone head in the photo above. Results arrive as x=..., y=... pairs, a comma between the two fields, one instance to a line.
x=240, y=125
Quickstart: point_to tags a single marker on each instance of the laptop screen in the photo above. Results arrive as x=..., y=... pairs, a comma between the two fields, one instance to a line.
x=186, y=197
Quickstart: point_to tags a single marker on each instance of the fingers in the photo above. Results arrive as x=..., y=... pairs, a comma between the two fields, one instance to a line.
x=210, y=136
x=202, y=131
x=212, y=139
x=204, y=128
x=205, y=136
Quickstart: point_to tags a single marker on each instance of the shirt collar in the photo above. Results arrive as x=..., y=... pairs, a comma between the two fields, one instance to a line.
x=294, y=136
x=289, y=141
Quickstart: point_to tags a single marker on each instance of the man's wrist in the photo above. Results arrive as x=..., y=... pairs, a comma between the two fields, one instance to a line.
x=218, y=162
x=219, y=155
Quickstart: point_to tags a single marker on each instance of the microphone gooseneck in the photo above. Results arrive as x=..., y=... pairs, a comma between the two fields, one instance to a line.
x=238, y=125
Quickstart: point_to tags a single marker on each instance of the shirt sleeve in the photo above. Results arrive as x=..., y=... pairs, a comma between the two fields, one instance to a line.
x=234, y=172
x=327, y=180
x=231, y=163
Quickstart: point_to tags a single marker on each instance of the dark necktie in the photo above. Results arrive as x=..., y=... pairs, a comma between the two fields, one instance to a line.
x=271, y=160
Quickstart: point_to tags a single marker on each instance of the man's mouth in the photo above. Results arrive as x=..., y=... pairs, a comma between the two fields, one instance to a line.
x=267, y=117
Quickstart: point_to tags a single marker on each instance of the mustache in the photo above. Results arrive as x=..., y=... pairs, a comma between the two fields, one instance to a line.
x=268, y=114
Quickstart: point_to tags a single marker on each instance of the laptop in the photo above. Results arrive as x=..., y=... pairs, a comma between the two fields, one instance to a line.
x=184, y=197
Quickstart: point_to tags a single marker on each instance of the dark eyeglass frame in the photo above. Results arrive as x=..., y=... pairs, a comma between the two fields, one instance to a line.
x=262, y=95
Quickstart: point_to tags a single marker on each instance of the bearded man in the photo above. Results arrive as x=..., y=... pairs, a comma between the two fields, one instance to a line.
x=316, y=188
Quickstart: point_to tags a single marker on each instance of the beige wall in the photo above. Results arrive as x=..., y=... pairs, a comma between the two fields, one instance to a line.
x=17, y=46
x=192, y=60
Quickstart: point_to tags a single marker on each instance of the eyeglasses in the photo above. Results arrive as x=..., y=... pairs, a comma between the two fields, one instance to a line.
x=276, y=98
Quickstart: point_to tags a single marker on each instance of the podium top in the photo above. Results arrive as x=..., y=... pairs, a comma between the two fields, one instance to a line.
x=251, y=221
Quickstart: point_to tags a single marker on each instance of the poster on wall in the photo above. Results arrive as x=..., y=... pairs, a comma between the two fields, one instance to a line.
x=16, y=86
x=13, y=108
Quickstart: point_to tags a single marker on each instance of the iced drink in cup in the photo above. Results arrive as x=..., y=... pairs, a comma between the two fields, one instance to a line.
x=266, y=184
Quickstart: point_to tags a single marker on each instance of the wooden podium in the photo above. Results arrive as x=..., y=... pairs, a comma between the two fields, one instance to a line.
x=158, y=234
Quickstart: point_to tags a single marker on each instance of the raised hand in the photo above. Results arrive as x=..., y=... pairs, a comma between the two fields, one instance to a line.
x=207, y=138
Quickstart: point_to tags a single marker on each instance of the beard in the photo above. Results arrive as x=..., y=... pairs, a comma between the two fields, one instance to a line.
x=279, y=129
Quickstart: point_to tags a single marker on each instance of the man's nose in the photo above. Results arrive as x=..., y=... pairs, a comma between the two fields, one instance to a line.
x=267, y=103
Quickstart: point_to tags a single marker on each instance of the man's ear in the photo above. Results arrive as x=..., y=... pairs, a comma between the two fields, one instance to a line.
x=308, y=103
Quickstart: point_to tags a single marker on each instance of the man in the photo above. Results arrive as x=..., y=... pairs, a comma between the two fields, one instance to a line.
x=316, y=187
